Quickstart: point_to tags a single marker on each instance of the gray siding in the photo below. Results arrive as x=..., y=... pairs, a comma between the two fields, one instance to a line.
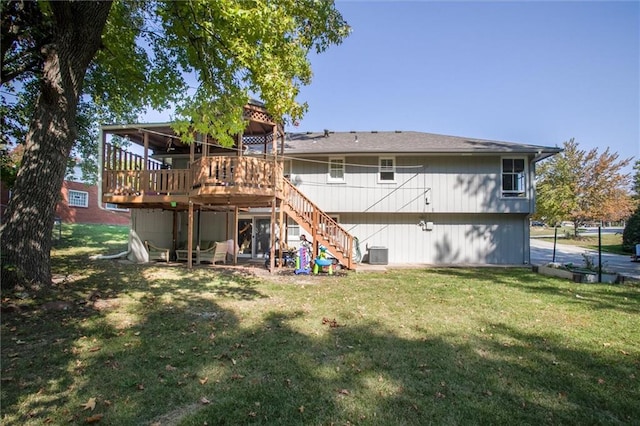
x=153, y=225
x=456, y=239
x=156, y=226
x=453, y=184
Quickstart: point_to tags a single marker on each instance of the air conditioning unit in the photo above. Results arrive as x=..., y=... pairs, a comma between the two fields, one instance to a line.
x=378, y=255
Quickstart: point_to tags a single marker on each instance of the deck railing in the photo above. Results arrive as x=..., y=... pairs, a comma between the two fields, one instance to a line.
x=123, y=174
x=248, y=172
x=146, y=182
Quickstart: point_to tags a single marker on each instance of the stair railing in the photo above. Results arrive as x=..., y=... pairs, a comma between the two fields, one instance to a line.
x=318, y=222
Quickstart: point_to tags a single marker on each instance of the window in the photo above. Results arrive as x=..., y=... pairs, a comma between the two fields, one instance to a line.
x=513, y=177
x=386, y=170
x=293, y=230
x=111, y=206
x=78, y=198
x=336, y=170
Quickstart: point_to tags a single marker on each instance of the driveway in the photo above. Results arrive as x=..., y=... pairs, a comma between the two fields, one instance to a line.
x=542, y=253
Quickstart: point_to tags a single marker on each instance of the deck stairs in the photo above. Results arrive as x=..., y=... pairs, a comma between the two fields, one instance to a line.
x=323, y=229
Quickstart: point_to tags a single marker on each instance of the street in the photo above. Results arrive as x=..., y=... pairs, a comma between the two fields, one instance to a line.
x=542, y=253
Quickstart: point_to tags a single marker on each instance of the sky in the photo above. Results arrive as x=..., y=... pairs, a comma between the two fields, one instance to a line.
x=537, y=72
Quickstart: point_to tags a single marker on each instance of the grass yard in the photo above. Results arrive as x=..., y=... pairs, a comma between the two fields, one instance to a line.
x=127, y=344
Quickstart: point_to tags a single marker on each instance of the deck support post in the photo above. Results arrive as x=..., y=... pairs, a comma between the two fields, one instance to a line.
x=282, y=237
x=235, y=235
x=272, y=253
x=190, y=237
x=145, y=167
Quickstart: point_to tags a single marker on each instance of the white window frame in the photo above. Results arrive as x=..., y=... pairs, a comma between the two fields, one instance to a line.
x=293, y=229
x=386, y=169
x=520, y=178
x=341, y=167
x=77, y=202
x=114, y=207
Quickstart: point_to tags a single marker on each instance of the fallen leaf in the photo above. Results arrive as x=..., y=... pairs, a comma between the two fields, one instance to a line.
x=169, y=367
x=90, y=404
x=204, y=380
x=344, y=391
x=301, y=409
x=252, y=414
x=94, y=419
x=95, y=349
x=600, y=381
x=140, y=386
x=440, y=395
x=332, y=323
x=204, y=401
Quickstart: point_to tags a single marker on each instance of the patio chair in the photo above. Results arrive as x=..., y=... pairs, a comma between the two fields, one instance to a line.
x=182, y=254
x=216, y=252
x=157, y=253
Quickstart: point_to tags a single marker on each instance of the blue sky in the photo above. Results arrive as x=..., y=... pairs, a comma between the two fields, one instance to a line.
x=531, y=72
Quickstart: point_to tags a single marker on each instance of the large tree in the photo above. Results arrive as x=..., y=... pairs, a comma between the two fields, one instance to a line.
x=583, y=186
x=109, y=60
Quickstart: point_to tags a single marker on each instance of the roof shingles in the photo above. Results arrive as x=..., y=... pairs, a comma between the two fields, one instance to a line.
x=402, y=143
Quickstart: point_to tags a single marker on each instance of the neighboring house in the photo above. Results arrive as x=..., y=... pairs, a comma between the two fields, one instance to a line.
x=407, y=197
x=80, y=203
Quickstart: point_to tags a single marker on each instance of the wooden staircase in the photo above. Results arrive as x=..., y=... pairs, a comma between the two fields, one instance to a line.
x=324, y=230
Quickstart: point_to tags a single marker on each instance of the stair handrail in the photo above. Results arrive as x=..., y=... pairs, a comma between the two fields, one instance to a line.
x=318, y=222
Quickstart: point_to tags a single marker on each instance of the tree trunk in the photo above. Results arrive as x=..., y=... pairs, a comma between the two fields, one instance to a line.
x=28, y=221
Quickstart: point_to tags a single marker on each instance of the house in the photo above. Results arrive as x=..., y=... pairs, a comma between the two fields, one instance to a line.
x=396, y=197
x=79, y=202
x=426, y=198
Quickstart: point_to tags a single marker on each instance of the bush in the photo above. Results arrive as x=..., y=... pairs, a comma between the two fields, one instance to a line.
x=631, y=234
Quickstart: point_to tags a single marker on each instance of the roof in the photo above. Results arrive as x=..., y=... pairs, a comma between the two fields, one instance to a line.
x=401, y=142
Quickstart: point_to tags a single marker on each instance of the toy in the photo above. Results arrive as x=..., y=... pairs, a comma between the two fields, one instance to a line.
x=321, y=261
x=303, y=262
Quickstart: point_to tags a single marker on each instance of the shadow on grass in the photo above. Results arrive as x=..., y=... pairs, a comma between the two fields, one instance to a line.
x=166, y=349
x=598, y=296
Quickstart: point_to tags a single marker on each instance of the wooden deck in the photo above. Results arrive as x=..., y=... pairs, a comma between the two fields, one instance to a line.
x=239, y=180
x=219, y=182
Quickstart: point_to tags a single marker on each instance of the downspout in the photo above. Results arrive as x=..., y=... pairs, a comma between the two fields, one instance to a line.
x=101, y=138
x=124, y=254
x=532, y=205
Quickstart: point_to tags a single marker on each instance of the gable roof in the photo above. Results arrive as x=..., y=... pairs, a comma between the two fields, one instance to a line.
x=401, y=142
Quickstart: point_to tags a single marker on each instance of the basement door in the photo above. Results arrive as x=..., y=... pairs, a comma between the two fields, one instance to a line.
x=254, y=236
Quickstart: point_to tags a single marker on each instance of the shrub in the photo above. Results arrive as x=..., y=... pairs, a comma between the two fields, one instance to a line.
x=631, y=234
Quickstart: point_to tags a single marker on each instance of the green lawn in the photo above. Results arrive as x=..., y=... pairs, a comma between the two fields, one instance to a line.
x=155, y=344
